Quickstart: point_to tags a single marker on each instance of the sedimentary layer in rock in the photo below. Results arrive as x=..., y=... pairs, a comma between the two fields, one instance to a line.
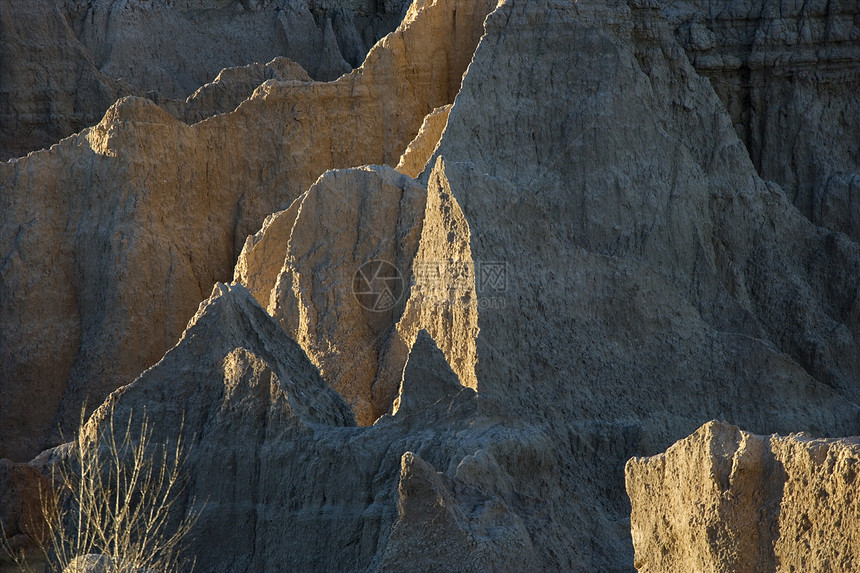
x=109, y=240
x=726, y=500
x=616, y=276
x=787, y=73
x=634, y=275
x=612, y=273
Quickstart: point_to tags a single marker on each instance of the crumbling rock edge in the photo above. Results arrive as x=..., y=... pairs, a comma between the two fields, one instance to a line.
x=723, y=499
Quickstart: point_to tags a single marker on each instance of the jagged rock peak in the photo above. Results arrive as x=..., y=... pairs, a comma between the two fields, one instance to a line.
x=231, y=330
x=427, y=379
x=66, y=62
x=333, y=270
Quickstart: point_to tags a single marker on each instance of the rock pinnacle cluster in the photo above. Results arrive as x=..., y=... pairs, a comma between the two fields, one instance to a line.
x=448, y=285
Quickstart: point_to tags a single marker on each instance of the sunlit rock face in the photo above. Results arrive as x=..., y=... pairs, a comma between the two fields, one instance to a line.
x=726, y=500
x=304, y=263
x=592, y=265
x=110, y=239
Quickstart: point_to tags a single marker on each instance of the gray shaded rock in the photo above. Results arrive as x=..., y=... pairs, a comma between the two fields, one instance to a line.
x=230, y=88
x=427, y=379
x=654, y=281
x=288, y=481
x=613, y=274
x=787, y=73
x=49, y=85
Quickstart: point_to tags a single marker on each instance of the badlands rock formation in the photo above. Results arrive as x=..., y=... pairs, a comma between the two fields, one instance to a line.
x=66, y=62
x=414, y=159
x=726, y=500
x=592, y=268
x=110, y=239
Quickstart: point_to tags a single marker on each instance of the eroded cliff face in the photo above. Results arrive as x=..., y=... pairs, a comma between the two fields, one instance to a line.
x=66, y=61
x=787, y=74
x=595, y=269
x=726, y=500
x=111, y=238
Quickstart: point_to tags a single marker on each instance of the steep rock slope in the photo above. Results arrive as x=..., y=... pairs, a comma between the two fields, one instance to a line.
x=599, y=283
x=65, y=62
x=110, y=239
x=787, y=73
x=653, y=280
x=603, y=298
x=726, y=500
x=414, y=159
x=355, y=268
x=617, y=230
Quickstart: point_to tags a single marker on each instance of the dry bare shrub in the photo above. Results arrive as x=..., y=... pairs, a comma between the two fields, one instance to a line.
x=115, y=496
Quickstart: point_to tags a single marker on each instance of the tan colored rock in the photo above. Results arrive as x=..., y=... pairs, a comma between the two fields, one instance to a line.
x=110, y=239
x=726, y=500
x=619, y=275
x=415, y=158
x=66, y=62
x=652, y=280
x=320, y=243
x=231, y=87
x=353, y=232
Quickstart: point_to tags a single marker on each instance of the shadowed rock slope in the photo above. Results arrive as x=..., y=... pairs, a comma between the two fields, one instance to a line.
x=726, y=500
x=787, y=73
